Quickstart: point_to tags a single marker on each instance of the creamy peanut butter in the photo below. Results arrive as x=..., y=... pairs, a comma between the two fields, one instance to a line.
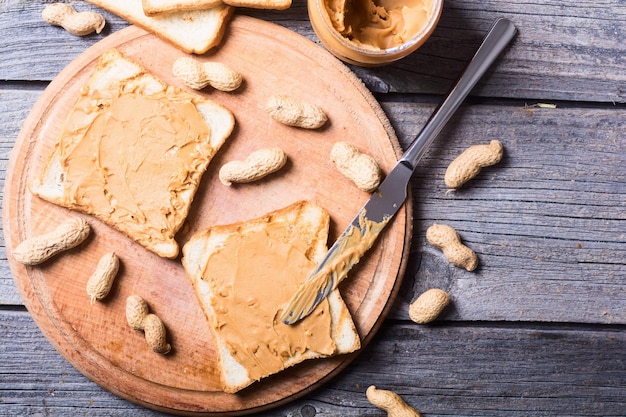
x=351, y=246
x=132, y=159
x=381, y=25
x=252, y=276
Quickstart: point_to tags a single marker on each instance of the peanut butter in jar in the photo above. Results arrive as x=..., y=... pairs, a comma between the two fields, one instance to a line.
x=373, y=32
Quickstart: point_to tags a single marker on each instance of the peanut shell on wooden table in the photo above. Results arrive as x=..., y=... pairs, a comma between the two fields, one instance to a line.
x=469, y=163
x=428, y=306
x=447, y=239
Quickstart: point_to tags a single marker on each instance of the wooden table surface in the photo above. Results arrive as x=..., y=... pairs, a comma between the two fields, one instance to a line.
x=539, y=329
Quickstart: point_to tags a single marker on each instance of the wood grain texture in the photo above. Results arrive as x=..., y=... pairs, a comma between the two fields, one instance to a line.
x=555, y=39
x=548, y=223
x=15, y=104
x=442, y=370
x=95, y=338
x=582, y=40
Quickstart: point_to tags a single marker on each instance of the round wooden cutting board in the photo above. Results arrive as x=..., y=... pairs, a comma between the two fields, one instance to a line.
x=95, y=338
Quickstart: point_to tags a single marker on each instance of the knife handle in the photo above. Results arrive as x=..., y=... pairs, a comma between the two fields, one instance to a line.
x=498, y=37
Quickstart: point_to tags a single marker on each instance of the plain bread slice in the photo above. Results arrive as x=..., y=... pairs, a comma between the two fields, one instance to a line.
x=156, y=7
x=261, y=4
x=193, y=31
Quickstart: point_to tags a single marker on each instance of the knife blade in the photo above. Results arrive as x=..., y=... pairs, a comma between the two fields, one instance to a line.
x=385, y=202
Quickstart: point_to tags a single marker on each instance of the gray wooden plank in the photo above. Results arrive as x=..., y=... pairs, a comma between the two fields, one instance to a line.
x=36, y=380
x=548, y=222
x=15, y=104
x=33, y=50
x=555, y=39
x=443, y=370
x=560, y=52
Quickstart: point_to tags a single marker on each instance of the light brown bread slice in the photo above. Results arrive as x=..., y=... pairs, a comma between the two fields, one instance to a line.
x=265, y=287
x=156, y=7
x=193, y=31
x=261, y=4
x=127, y=208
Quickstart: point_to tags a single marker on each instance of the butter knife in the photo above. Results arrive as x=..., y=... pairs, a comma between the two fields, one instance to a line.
x=385, y=202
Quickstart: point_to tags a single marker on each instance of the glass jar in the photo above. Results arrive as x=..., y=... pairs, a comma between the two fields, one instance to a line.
x=360, y=51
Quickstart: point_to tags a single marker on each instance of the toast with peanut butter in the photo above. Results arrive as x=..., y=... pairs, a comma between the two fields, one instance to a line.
x=193, y=31
x=132, y=152
x=244, y=274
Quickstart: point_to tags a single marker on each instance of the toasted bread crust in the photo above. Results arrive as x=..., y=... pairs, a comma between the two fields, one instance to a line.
x=193, y=31
x=260, y=4
x=156, y=7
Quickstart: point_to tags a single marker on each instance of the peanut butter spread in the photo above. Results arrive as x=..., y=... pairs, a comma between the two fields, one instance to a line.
x=380, y=25
x=351, y=246
x=132, y=159
x=252, y=276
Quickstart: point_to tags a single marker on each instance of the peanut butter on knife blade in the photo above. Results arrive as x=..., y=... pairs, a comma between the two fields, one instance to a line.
x=348, y=250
